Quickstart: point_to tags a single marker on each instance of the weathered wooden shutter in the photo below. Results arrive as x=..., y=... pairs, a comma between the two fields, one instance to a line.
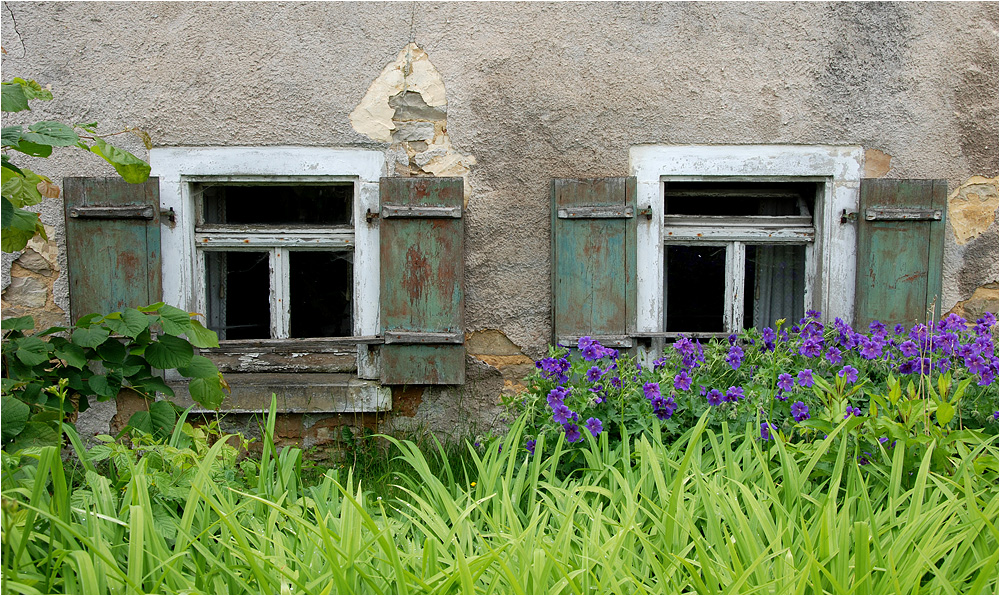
x=422, y=272
x=900, y=250
x=594, y=260
x=112, y=244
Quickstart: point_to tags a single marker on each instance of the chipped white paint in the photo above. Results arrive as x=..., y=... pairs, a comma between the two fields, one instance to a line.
x=830, y=267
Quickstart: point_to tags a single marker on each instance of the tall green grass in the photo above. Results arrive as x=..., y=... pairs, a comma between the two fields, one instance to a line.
x=711, y=513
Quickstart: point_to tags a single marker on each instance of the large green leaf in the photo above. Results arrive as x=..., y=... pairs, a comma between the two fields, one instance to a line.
x=130, y=322
x=32, y=351
x=51, y=133
x=90, y=337
x=72, y=354
x=174, y=320
x=6, y=212
x=201, y=337
x=32, y=149
x=23, y=220
x=35, y=434
x=12, y=98
x=21, y=189
x=132, y=169
x=32, y=89
x=10, y=135
x=945, y=412
x=152, y=385
x=113, y=351
x=103, y=386
x=18, y=323
x=158, y=421
x=207, y=392
x=169, y=352
x=13, y=416
x=199, y=368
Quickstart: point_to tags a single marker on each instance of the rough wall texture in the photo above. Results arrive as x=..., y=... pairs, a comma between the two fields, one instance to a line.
x=533, y=91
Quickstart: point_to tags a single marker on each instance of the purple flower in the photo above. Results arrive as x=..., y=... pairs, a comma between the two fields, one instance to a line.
x=996, y=414
x=556, y=396
x=870, y=349
x=664, y=408
x=659, y=363
x=593, y=352
x=800, y=411
x=898, y=329
x=813, y=314
x=811, y=348
x=732, y=339
x=651, y=390
x=877, y=328
x=909, y=349
x=909, y=367
x=715, y=397
x=765, y=430
x=849, y=373
x=883, y=439
x=735, y=357
x=769, y=337
x=805, y=377
x=833, y=356
x=583, y=342
x=594, y=426
x=785, y=382
x=594, y=374
x=530, y=446
x=561, y=414
x=734, y=394
x=682, y=381
x=852, y=411
x=572, y=433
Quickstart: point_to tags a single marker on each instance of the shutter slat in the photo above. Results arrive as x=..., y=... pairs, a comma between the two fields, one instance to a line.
x=422, y=281
x=594, y=258
x=900, y=250
x=112, y=244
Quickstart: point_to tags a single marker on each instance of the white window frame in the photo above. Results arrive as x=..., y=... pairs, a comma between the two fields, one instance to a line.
x=830, y=258
x=180, y=169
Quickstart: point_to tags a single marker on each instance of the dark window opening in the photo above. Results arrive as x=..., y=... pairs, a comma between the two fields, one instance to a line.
x=273, y=205
x=739, y=198
x=238, y=288
x=321, y=287
x=694, y=285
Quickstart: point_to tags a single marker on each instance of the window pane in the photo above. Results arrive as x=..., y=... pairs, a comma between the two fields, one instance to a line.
x=739, y=198
x=321, y=284
x=694, y=287
x=238, y=294
x=775, y=285
x=279, y=205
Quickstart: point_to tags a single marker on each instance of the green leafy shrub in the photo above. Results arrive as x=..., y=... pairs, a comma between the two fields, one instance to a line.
x=55, y=371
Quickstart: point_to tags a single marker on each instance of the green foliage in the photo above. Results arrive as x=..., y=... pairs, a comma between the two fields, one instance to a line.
x=56, y=370
x=716, y=511
x=23, y=188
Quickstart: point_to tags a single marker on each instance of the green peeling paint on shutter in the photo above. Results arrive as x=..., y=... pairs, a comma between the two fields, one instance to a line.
x=112, y=244
x=422, y=273
x=900, y=250
x=594, y=260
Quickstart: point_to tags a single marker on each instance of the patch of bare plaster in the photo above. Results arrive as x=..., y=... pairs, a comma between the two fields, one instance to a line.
x=406, y=107
x=972, y=207
x=984, y=299
x=495, y=349
x=32, y=275
x=877, y=163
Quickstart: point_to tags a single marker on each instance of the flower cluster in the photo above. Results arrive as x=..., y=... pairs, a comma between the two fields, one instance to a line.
x=774, y=376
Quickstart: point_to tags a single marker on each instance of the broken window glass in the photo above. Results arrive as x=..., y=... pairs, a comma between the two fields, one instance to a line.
x=321, y=301
x=238, y=294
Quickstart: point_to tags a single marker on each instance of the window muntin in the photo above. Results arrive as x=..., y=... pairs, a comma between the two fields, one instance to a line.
x=277, y=259
x=735, y=253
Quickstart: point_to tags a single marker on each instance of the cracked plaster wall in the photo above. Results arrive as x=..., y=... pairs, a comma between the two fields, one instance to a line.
x=510, y=95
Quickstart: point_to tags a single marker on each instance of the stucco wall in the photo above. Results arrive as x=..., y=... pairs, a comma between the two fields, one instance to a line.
x=535, y=91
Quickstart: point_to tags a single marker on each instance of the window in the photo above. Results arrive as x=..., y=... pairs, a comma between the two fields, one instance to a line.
x=749, y=240
x=278, y=259
x=273, y=246
x=739, y=236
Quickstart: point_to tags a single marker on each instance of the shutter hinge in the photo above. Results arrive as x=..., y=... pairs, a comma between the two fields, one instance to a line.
x=647, y=211
x=902, y=214
x=169, y=215
x=846, y=217
x=369, y=216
